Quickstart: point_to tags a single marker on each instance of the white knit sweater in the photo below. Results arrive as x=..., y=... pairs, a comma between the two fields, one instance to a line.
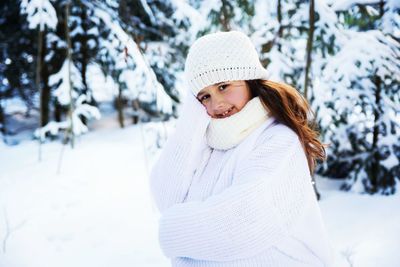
x=252, y=205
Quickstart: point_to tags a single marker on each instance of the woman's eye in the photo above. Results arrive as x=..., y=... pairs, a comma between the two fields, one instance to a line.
x=222, y=87
x=204, y=98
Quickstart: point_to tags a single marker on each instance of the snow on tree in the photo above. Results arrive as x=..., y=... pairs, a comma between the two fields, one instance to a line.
x=137, y=50
x=363, y=96
x=133, y=69
x=84, y=32
x=285, y=37
x=61, y=81
x=69, y=91
x=39, y=13
x=283, y=51
x=390, y=21
x=178, y=25
x=391, y=18
x=82, y=109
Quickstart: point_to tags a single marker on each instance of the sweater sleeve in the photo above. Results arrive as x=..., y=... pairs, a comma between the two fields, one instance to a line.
x=172, y=174
x=241, y=221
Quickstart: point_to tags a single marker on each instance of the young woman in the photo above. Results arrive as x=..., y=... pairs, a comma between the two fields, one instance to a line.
x=233, y=184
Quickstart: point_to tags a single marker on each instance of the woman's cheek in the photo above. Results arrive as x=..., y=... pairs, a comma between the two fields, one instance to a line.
x=237, y=100
x=209, y=110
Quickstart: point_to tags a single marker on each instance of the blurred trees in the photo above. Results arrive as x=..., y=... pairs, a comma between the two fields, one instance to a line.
x=360, y=86
x=343, y=56
x=117, y=40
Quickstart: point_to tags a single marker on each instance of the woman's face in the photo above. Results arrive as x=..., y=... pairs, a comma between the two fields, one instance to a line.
x=224, y=99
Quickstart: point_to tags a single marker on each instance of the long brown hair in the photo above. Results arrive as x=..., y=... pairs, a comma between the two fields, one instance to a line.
x=289, y=107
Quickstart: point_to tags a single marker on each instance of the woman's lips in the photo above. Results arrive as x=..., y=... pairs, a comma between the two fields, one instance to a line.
x=225, y=113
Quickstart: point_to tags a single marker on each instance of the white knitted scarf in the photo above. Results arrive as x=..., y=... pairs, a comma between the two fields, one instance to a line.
x=226, y=133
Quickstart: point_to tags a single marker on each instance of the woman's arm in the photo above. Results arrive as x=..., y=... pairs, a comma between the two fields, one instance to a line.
x=243, y=220
x=171, y=175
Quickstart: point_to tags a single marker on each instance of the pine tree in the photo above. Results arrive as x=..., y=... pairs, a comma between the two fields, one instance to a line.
x=18, y=52
x=64, y=47
x=362, y=97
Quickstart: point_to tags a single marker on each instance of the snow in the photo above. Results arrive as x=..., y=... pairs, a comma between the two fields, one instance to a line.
x=363, y=228
x=141, y=81
x=96, y=211
x=148, y=11
x=63, y=95
x=61, y=78
x=81, y=109
x=91, y=206
x=13, y=105
x=340, y=5
x=185, y=11
x=102, y=86
x=39, y=12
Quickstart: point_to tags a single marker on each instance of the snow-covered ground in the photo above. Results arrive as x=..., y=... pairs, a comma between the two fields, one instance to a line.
x=92, y=207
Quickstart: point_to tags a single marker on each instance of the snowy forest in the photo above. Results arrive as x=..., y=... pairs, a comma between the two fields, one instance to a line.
x=67, y=67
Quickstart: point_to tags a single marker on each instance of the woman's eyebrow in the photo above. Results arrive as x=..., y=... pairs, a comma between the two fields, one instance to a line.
x=216, y=84
x=200, y=94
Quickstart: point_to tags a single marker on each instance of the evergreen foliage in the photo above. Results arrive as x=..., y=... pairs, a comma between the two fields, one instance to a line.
x=135, y=50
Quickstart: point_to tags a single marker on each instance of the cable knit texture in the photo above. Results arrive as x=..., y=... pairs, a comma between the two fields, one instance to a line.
x=228, y=132
x=222, y=56
x=181, y=154
x=249, y=206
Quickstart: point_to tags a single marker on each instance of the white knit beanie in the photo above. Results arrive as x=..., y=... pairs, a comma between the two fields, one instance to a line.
x=220, y=57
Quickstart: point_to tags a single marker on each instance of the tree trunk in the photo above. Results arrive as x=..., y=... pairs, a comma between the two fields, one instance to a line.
x=309, y=47
x=381, y=8
x=84, y=53
x=38, y=85
x=265, y=48
x=45, y=88
x=280, y=30
x=375, y=164
x=57, y=111
x=308, y=67
x=38, y=74
x=2, y=119
x=71, y=102
x=45, y=97
x=84, y=47
x=120, y=108
x=135, y=107
x=224, y=19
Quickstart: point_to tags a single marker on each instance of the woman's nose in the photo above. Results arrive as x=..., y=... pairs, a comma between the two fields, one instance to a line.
x=218, y=103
